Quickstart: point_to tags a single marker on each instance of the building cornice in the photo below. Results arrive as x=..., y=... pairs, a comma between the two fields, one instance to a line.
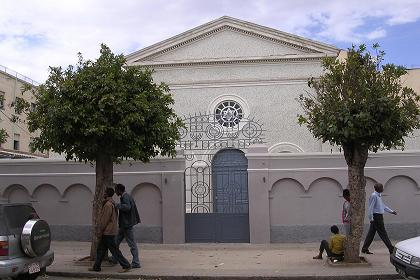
x=227, y=61
x=234, y=29
x=237, y=83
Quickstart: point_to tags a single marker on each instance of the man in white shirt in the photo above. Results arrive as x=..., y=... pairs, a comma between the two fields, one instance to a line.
x=345, y=214
x=375, y=214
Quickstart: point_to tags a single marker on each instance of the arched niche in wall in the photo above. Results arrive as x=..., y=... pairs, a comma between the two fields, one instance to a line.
x=402, y=194
x=17, y=194
x=46, y=201
x=148, y=199
x=286, y=199
x=370, y=183
x=78, y=202
x=325, y=205
x=285, y=147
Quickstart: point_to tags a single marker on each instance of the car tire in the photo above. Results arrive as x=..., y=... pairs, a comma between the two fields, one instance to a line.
x=35, y=238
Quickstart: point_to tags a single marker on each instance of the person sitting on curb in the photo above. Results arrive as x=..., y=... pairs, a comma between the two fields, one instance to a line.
x=334, y=248
x=107, y=229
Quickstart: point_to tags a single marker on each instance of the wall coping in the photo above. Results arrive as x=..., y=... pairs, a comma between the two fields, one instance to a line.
x=382, y=154
x=72, y=162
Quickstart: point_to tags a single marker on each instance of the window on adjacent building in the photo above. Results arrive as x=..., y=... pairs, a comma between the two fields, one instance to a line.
x=16, y=142
x=1, y=99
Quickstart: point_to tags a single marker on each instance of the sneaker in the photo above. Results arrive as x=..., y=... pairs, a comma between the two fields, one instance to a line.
x=317, y=257
x=366, y=251
x=135, y=266
x=94, y=269
x=124, y=270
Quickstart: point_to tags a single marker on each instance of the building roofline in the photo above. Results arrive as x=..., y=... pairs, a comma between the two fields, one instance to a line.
x=16, y=75
x=5, y=153
x=214, y=25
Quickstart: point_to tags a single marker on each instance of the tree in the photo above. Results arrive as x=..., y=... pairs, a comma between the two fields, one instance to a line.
x=360, y=105
x=103, y=111
x=3, y=136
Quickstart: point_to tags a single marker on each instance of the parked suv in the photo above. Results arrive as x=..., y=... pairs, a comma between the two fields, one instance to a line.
x=406, y=258
x=24, y=242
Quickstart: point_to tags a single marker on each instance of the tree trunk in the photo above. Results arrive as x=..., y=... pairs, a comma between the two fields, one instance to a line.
x=104, y=179
x=356, y=157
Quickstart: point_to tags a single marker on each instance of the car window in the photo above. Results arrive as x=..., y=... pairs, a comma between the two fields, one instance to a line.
x=16, y=216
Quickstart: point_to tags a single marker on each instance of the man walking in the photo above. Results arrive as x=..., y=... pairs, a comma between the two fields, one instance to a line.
x=128, y=217
x=345, y=214
x=375, y=214
x=107, y=229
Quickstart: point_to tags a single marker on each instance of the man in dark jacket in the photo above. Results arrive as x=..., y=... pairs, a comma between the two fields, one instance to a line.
x=127, y=218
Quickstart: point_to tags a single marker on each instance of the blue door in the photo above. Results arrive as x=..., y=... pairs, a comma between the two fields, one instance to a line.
x=227, y=218
x=230, y=195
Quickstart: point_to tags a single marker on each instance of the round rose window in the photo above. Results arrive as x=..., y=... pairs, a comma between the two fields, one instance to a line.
x=229, y=113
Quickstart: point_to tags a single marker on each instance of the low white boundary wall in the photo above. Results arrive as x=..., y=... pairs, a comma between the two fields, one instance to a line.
x=297, y=197
x=292, y=197
x=62, y=194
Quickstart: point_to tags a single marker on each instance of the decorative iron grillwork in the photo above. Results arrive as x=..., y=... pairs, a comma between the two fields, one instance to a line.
x=201, y=138
x=199, y=198
x=204, y=132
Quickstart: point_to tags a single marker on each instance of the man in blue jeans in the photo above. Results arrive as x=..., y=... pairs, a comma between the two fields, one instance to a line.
x=127, y=218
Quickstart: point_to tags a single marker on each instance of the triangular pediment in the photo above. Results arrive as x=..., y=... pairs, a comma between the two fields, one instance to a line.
x=229, y=39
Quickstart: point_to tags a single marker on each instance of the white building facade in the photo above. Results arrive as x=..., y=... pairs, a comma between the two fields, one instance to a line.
x=236, y=84
x=245, y=171
x=260, y=70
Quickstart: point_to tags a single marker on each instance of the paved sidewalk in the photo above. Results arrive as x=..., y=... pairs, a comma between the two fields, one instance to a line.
x=227, y=261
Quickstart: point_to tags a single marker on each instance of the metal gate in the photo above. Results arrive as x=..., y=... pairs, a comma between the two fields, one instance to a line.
x=216, y=179
x=218, y=199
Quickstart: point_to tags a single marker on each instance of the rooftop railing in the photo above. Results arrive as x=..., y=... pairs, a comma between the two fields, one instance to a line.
x=17, y=75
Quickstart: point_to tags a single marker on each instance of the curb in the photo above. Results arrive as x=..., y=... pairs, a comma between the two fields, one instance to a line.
x=157, y=277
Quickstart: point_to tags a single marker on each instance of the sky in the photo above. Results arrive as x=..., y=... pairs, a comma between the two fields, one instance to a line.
x=36, y=34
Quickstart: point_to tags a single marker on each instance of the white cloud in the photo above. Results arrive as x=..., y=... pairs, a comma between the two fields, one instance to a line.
x=37, y=33
x=376, y=34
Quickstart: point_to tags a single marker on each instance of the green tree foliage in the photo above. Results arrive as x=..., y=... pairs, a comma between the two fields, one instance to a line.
x=102, y=111
x=360, y=105
x=102, y=107
x=3, y=136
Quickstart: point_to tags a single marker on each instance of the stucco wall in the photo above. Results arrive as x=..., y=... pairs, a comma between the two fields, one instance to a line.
x=304, y=193
x=62, y=193
x=270, y=92
x=292, y=197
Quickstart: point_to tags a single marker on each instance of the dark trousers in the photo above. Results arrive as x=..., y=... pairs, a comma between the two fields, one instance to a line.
x=107, y=242
x=377, y=226
x=326, y=247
